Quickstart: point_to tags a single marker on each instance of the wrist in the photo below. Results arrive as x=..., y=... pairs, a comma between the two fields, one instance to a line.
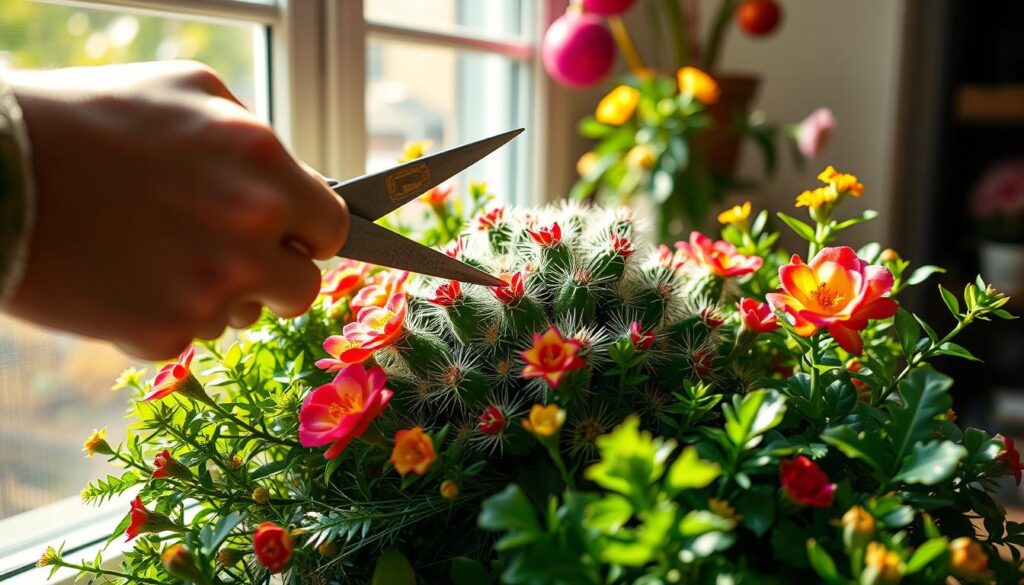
x=17, y=193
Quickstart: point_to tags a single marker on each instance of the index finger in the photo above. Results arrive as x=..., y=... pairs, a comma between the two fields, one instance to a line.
x=319, y=217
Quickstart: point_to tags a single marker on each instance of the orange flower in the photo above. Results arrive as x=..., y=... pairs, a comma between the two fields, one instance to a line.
x=544, y=421
x=719, y=258
x=587, y=162
x=344, y=278
x=273, y=546
x=438, y=195
x=374, y=328
x=838, y=291
x=414, y=451
x=385, y=285
x=817, y=198
x=841, y=182
x=967, y=559
x=551, y=357
x=738, y=214
x=700, y=85
x=616, y=108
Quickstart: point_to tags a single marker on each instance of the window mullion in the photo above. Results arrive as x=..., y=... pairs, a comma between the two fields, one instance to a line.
x=296, y=80
x=345, y=88
x=513, y=50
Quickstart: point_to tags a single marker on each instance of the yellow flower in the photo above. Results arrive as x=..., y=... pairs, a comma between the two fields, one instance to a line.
x=738, y=214
x=724, y=509
x=545, y=421
x=859, y=520
x=97, y=443
x=414, y=150
x=261, y=495
x=618, y=106
x=414, y=451
x=817, y=198
x=842, y=182
x=449, y=489
x=967, y=559
x=884, y=563
x=641, y=156
x=49, y=558
x=698, y=84
x=586, y=162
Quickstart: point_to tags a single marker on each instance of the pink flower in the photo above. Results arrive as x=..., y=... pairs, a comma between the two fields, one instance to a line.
x=373, y=329
x=344, y=278
x=814, y=132
x=547, y=237
x=756, y=316
x=717, y=257
x=805, y=483
x=1000, y=192
x=385, y=285
x=342, y=410
x=640, y=340
x=177, y=377
x=448, y=293
x=515, y=290
x=837, y=290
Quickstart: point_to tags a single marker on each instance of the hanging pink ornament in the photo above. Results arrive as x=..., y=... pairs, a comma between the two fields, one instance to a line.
x=578, y=50
x=607, y=7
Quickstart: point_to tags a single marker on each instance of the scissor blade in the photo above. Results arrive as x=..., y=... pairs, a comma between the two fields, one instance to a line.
x=376, y=195
x=372, y=243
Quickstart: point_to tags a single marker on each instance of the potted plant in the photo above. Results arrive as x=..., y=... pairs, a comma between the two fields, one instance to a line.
x=997, y=205
x=674, y=135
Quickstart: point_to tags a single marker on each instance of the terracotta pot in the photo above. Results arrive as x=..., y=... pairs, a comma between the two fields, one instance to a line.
x=720, y=141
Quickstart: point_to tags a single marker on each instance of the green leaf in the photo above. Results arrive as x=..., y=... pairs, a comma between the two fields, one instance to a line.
x=870, y=252
x=589, y=127
x=925, y=554
x=925, y=395
x=509, y=509
x=631, y=461
x=921, y=274
x=951, y=301
x=867, y=215
x=757, y=506
x=609, y=513
x=822, y=562
x=867, y=447
x=802, y=229
x=931, y=463
x=689, y=471
x=272, y=468
x=950, y=348
x=467, y=571
x=224, y=528
x=908, y=331
x=393, y=569
x=750, y=416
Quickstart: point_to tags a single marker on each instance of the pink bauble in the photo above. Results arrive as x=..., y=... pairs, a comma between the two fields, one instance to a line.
x=578, y=50
x=607, y=7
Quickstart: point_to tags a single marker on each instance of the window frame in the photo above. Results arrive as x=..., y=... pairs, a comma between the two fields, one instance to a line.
x=316, y=75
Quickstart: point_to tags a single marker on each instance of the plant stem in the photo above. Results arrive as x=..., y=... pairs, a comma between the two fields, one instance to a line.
x=680, y=32
x=108, y=573
x=256, y=432
x=813, y=359
x=557, y=458
x=717, y=37
x=625, y=42
x=916, y=359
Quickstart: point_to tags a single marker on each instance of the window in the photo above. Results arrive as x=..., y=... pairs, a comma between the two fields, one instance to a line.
x=345, y=82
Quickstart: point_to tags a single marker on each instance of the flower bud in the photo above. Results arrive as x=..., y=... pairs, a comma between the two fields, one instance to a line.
x=273, y=546
x=144, y=521
x=261, y=496
x=168, y=467
x=883, y=566
x=641, y=341
x=492, y=421
x=178, y=562
x=967, y=559
x=449, y=490
x=889, y=255
x=234, y=463
x=97, y=443
x=327, y=549
x=858, y=526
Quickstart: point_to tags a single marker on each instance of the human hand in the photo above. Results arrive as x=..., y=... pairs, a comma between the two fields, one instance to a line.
x=165, y=210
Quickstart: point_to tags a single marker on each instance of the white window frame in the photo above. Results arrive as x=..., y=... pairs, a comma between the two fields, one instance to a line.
x=317, y=65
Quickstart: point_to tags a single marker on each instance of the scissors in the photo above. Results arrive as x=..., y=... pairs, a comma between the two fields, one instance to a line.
x=373, y=196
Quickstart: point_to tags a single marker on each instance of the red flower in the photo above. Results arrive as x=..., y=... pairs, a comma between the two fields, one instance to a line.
x=455, y=248
x=273, y=546
x=515, y=290
x=374, y=328
x=177, y=377
x=492, y=421
x=144, y=521
x=448, y=294
x=805, y=483
x=757, y=316
x=622, y=246
x=719, y=258
x=711, y=318
x=167, y=466
x=1011, y=457
x=640, y=340
x=836, y=290
x=702, y=362
x=491, y=219
x=344, y=278
x=342, y=410
x=438, y=195
x=547, y=236
x=377, y=293
x=551, y=357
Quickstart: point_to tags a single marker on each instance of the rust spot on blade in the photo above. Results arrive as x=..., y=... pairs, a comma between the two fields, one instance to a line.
x=407, y=181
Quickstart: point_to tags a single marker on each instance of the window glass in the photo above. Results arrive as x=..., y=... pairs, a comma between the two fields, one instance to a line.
x=449, y=97
x=55, y=389
x=500, y=18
